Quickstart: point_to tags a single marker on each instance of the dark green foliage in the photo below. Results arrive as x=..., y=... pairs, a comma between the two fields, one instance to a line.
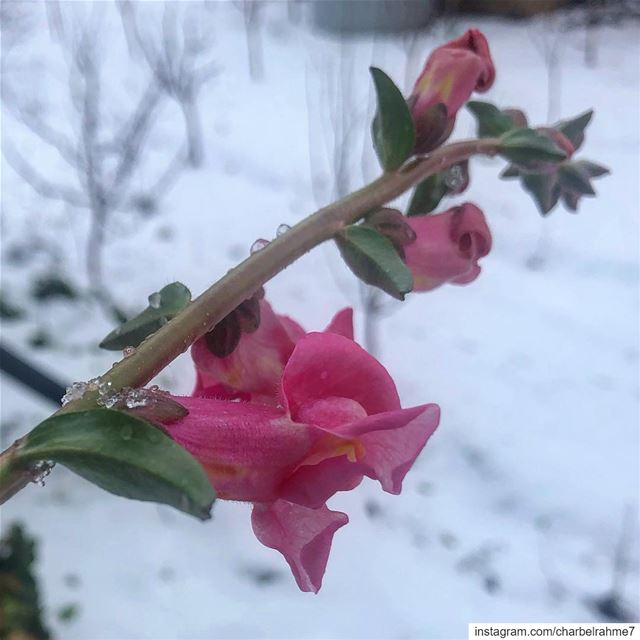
x=123, y=455
x=20, y=608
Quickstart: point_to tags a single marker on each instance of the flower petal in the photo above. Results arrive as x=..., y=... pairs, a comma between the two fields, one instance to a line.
x=342, y=323
x=246, y=449
x=312, y=485
x=392, y=442
x=256, y=364
x=303, y=536
x=325, y=365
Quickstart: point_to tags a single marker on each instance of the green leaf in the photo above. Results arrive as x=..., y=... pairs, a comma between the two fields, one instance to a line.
x=163, y=305
x=544, y=190
x=511, y=171
x=523, y=146
x=574, y=127
x=427, y=195
x=123, y=455
x=576, y=179
x=593, y=169
x=492, y=122
x=373, y=258
x=392, y=129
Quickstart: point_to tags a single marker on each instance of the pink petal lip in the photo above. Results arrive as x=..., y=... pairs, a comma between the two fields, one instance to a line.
x=302, y=535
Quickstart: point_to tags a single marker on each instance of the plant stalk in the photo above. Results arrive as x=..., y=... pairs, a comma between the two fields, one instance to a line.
x=240, y=283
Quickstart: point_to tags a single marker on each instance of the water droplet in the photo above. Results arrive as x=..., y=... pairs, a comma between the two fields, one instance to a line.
x=93, y=384
x=126, y=432
x=109, y=402
x=258, y=245
x=128, y=351
x=74, y=392
x=155, y=300
x=282, y=229
x=40, y=470
x=454, y=177
x=104, y=388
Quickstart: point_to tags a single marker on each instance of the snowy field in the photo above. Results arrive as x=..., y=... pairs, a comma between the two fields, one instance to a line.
x=516, y=509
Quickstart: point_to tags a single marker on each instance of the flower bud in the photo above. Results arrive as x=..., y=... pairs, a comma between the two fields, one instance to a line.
x=447, y=247
x=452, y=72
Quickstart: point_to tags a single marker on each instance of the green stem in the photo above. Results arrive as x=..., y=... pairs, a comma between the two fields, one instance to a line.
x=13, y=477
x=174, y=338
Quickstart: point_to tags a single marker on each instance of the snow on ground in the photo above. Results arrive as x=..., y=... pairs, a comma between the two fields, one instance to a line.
x=515, y=509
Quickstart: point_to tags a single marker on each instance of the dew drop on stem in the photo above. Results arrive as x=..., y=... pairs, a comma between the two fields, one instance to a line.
x=40, y=470
x=74, y=392
x=282, y=229
x=454, y=178
x=258, y=245
x=155, y=300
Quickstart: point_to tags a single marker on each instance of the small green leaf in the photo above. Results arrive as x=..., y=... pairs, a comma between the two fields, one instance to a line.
x=523, y=146
x=593, y=169
x=373, y=258
x=392, y=129
x=163, y=305
x=492, y=122
x=511, y=171
x=123, y=455
x=574, y=128
x=427, y=195
x=575, y=178
x=544, y=190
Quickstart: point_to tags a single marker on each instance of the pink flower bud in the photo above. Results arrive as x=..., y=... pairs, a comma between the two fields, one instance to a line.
x=452, y=72
x=447, y=247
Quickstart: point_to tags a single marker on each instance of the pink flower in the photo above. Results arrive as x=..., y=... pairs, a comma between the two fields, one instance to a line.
x=451, y=74
x=333, y=417
x=447, y=247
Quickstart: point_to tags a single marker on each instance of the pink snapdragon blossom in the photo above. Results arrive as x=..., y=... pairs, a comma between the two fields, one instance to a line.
x=333, y=417
x=447, y=247
x=451, y=74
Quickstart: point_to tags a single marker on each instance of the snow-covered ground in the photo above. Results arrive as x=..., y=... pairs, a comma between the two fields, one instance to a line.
x=515, y=510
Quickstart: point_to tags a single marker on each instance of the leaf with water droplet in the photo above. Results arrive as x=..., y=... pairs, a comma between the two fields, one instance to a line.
x=163, y=305
x=123, y=455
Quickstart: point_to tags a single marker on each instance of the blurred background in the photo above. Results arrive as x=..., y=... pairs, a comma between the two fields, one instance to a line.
x=147, y=142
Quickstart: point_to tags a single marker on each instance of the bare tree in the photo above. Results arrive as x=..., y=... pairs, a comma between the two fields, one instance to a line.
x=107, y=159
x=179, y=58
x=251, y=10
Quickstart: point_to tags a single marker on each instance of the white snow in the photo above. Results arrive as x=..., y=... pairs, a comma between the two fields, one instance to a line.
x=515, y=508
